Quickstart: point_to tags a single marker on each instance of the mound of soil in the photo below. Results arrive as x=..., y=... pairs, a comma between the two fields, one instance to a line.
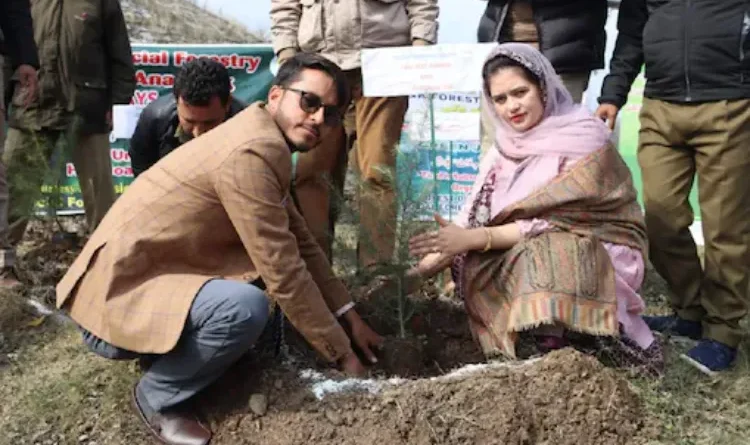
x=566, y=398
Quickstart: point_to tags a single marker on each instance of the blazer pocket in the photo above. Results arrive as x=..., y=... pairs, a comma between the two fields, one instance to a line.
x=310, y=36
x=385, y=23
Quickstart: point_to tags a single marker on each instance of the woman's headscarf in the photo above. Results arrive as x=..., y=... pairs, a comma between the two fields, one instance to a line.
x=567, y=130
x=566, y=127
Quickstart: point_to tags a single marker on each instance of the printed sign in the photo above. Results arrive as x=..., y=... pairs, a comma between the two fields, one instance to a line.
x=440, y=147
x=402, y=71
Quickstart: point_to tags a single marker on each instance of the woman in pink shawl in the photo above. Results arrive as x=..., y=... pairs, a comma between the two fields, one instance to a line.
x=550, y=245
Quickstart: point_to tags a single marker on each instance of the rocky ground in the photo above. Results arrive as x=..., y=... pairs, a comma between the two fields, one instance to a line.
x=182, y=21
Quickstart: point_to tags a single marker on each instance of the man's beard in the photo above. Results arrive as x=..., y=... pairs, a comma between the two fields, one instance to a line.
x=283, y=122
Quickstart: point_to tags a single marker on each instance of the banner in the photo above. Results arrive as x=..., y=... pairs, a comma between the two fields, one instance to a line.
x=156, y=65
x=439, y=154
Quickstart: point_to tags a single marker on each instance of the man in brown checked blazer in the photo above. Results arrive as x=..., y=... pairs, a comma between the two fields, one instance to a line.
x=167, y=270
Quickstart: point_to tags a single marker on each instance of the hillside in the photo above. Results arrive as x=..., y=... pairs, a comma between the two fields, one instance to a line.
x=181, y=21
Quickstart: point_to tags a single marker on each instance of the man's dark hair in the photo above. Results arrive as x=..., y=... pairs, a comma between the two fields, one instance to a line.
x=292, y=69
x=201, y=79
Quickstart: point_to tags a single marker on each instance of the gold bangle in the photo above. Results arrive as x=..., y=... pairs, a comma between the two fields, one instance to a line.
x=488, y=246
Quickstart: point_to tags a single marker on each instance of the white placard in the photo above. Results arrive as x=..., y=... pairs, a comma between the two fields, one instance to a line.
x=456, y=117
x=124, y=120
x=401, y=71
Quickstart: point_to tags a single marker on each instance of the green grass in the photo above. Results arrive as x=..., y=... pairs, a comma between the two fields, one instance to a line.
x=691, y=409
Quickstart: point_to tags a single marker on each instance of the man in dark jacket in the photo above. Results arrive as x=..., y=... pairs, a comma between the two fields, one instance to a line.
x=16, y=44
x=86, y=68
x=569, y=33
x=695, y=120
x=201, y=101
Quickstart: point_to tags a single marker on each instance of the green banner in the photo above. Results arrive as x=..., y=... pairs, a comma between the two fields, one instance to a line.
x=156, y=65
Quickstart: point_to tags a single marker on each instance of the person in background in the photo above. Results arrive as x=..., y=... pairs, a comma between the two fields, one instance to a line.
x=339, y=30
x=570, y=34
x=86, y=67
x=166, y=274
x=201, y=100
x=695, y=121
x=18, y=46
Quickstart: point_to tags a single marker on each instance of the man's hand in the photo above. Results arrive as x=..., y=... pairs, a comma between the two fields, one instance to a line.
x=363, y=336
x=286, y=54
x=108, y=119
x=608, y=113
x=27, y=77
x=351, y=366
x=420, y=42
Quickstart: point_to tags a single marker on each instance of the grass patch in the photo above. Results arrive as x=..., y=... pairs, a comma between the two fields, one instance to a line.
x=12, y=313
x=54, y=391
x=689, y=408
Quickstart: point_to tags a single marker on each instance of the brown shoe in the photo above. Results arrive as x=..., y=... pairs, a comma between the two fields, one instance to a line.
x=173, y=428
x=9, y=280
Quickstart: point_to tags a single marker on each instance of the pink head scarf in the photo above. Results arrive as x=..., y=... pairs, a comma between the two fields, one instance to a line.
x=567, y=130
x=566, y=127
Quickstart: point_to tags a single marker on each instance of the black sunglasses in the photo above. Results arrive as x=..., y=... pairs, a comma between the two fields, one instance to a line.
x=311, y=103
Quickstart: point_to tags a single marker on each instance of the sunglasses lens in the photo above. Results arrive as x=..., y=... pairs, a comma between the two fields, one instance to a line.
x=310, y=103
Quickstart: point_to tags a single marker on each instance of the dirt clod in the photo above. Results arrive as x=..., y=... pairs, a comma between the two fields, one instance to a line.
x=258, y=404
x=334, y=417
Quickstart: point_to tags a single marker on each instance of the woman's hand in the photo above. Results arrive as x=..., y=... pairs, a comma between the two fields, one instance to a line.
x=448, y=240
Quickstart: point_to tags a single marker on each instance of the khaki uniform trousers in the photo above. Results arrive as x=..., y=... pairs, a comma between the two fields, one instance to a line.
x=375, y=123
x=711, y=141
x=28, y=156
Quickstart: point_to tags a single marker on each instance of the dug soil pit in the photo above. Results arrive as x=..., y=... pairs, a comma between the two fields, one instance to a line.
x=436, y=340
x=565, y=398
x=437, y=337
x=403, y=357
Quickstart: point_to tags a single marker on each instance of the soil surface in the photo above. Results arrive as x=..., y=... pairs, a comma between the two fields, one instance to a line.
x=563, y=398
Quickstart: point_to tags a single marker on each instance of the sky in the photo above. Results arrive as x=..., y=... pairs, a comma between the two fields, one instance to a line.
x=458, y=18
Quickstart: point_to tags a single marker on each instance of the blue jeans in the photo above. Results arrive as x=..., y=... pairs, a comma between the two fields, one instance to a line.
x=225, y=320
